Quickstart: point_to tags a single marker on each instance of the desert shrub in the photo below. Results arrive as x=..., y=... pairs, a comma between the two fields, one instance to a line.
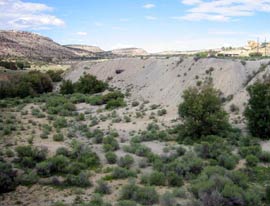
x=63, y=151
x=96, y=200
x=44, y=169
x=252, y=160
x=7, y=178
x=135, y=104
x=138, y=149
x=80, y=180
x=110, y=144
x=102, y=188
x=28, y=156
x=154, y=179
x=180, y=151
x=55, y=75
x=28, y=178
x=76, y=167
x=265, y=157
x=26, y=84
x=167, y=199
x=66, y=87
x=97, y=135
x=228, y=161
x=59, y=105
x=162, y=112
x=122, y=173
x=83, y=154
x=37, y=113
x=188, y=166
x=257, y=113
x=14, y=65
x=218, y=186
x=267, y=194
x=174, y=180
x=126, y=203
x=60, y=123
x=58, y=164
x=255, y=150
x=111, y=157
x=202, y=113
x=59, y=137
x=142, y=195
x=89, y=84
x=212, y=147
x=115, y=103
x=125, y=161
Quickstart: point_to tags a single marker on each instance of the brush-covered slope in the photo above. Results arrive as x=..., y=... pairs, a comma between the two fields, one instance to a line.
x=34, y=46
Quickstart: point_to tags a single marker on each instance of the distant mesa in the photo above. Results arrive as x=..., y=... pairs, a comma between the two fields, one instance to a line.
x=36, y=47
x=130, y=52
x=93, y=49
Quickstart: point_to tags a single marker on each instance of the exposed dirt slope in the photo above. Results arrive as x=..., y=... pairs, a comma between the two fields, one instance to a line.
x=163, y=80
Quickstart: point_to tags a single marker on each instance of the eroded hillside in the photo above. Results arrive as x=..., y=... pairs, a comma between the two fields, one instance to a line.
x=163, y=80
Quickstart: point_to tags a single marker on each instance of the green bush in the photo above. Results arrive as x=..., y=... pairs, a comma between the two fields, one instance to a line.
x=80, y=180
x=67, y=87
x=126, y=203
x=26, y=84
x=227, y=161
x=167, y=199
x=255, y=150
x=28, y=179
x=174, y=180
x=122, y=173
x=111, y=157
x=154, y=179
x=115, y=103
x=125, y=161
x=60, y=105
x=252, y=160
x=102, y=188
x=142, y=195
x=58, y=137
x=28, y=156
x=110, y=144
x=55, y=75
x=267, y=194
x=60, y=123
x=265, y=157
x=257, y=112
x=223, y=187
x=202, y=113
x=7, y=178
x=89, y=84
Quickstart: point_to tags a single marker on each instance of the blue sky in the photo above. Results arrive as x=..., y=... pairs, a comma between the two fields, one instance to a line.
x=155, y=25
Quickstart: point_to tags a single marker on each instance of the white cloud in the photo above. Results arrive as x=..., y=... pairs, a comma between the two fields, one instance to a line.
x=99, y=24
x=81, y=33
x=149, y=6
x=151, y=18
x=191, y=2
x=223, y=10
x=118, y=28
x=124, y=20
x=17, y=14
